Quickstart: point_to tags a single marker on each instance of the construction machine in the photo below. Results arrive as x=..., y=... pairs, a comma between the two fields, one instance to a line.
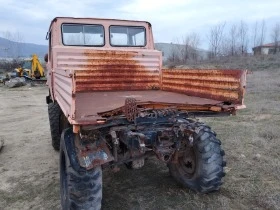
x=31, y=68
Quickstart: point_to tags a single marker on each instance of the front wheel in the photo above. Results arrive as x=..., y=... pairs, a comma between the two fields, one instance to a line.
x=79, y=188
x=200, y=166
x=58, y=122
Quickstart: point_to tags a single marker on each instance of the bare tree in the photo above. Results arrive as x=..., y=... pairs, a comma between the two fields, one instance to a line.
x=190, y=50
x=18, y=39
x=178, y=49
x=259, y=32
x=194, y=43
x=216, y=39
x=275, y=36
x=255, y=34
x=185, y=49
x=233, y=35
x=262, y=33
x=185, y=56
x=15, y=44
x=175, y=55
x=243, y=37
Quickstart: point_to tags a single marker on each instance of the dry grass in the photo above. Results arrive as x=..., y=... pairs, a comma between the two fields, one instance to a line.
x=253, y=63
x=251, y=141
x=29, y=166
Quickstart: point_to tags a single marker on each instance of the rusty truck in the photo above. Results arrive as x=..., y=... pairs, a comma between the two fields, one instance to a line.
x=110, y=103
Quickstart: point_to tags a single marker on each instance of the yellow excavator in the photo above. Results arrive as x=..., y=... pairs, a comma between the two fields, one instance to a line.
x=31, y=69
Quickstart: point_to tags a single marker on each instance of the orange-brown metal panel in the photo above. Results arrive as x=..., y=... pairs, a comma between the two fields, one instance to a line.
x=63, y=92
x=224, y=85
x=96, y=74
x=114, y=70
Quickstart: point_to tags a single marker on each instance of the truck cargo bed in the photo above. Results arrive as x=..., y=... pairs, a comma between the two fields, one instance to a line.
x=87, y=82
x=92, y=103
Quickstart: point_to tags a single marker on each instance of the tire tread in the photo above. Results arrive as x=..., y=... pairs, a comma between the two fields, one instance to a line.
x=211, y=162
x=54, y=115
x=84, y=186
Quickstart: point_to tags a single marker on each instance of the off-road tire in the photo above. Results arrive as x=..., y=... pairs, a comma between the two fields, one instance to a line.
x=80, y=189
x=54, y=118
x=58, y=122
x=207, y=156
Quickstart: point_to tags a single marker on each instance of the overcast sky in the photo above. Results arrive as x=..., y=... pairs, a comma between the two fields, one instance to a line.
x=170, y=18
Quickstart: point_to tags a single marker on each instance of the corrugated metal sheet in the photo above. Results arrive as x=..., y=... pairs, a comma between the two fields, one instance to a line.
x=98, y=70
x=63, y=92
x=222, y=85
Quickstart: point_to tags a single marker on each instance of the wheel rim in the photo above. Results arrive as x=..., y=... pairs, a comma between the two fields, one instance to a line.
x=188, y=162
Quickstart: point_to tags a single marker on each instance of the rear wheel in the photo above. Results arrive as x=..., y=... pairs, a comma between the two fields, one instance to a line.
x=79, y=188
x=200, y=167
x=58, y=122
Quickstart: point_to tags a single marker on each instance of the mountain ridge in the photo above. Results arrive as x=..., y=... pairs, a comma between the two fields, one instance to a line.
x=11, y=49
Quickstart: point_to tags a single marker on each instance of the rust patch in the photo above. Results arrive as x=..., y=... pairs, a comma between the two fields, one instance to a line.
x=165, y=106
x=89, y=153
x=115, y=70
x=222, y=85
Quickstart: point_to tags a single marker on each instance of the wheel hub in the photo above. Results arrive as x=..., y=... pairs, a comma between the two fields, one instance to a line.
x=189, y=165
x=188, y=162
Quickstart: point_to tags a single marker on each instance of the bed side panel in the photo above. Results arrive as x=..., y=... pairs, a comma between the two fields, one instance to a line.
x=63, y=86
x=222, y=85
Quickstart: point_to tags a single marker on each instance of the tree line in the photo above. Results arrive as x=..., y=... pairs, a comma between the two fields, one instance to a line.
x=224, y=40
x=14, y=44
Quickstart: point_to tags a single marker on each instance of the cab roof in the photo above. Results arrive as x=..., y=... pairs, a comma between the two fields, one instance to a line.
x=68, y=19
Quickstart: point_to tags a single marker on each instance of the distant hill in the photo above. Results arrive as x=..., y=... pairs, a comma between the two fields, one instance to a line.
x=10, y=49
x=168, y=48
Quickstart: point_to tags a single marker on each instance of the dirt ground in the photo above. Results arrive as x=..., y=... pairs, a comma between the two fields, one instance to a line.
x=29, y=176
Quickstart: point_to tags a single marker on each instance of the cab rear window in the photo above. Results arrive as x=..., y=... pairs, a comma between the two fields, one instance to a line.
x=127, y=36
x=83, y=35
